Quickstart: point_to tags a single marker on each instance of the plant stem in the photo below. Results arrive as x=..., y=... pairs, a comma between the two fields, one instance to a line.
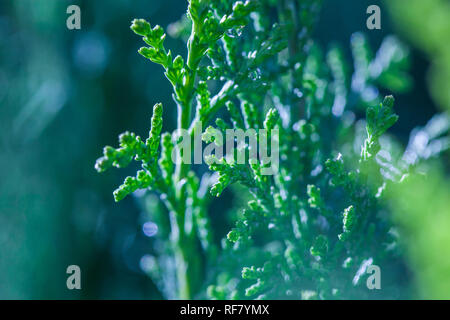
x=184, y=242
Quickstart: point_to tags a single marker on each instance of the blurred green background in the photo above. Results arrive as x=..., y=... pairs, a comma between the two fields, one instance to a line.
x=64, y=94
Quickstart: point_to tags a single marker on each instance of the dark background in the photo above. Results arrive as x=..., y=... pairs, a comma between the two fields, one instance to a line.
x=64, y=94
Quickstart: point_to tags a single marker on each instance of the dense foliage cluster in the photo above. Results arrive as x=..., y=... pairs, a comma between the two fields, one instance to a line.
x=313, y=228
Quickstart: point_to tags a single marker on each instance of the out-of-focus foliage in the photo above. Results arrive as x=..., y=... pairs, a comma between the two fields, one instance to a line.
x=427, y=25
x=422, y=208
x=57, y=87
x=421, y=203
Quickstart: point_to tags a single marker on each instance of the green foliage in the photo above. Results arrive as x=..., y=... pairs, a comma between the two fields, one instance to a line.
x=421, y=202
x=379, y=119
x=133, y=148
x=430, y=35
x=424, y=226
x=311, y=229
